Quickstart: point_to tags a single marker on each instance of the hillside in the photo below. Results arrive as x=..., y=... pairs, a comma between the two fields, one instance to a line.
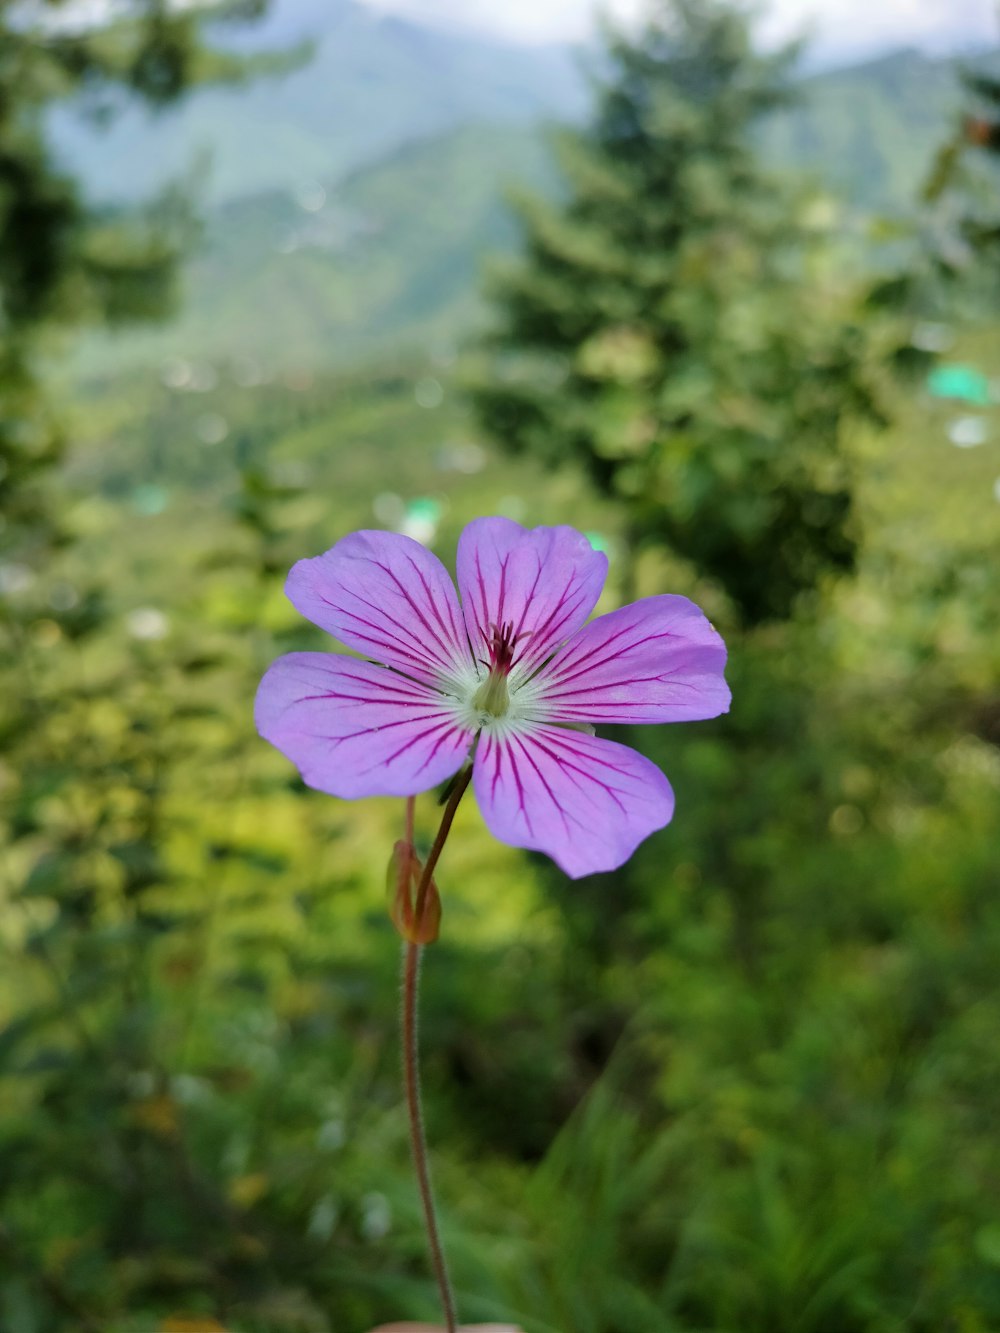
x=388, y=258
x=336, y=269
x=375, y=83
x=869, y=132
x=372, y=84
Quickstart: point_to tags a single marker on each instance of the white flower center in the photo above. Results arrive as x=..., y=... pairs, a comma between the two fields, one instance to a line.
x=493, y=697
x=490, y=700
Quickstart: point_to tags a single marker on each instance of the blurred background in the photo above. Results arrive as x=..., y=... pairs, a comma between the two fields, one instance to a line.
x=270, y=273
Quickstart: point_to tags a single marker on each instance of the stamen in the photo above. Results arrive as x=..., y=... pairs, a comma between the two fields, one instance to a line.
x=492, y=696
x=501, y=642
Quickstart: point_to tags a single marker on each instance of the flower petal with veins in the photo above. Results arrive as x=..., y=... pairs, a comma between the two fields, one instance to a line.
x=385, y=596
x=656, y=660
x=544, y=581
x=355, y=729
x=584, y=801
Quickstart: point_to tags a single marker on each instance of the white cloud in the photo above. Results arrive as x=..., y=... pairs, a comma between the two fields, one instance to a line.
x=860, y=27
x=519, y=20
x=838, y=27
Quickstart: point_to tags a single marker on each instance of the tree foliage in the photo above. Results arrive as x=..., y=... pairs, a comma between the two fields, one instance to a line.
x=672, y=326
x=63, y=260
x=979, y=136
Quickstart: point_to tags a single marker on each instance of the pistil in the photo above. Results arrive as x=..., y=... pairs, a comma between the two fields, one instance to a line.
x=493, y=697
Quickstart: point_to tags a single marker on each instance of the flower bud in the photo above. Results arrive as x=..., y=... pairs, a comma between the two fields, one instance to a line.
x=403, y=876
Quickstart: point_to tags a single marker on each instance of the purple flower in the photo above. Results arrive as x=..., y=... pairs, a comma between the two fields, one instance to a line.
x=513, y=677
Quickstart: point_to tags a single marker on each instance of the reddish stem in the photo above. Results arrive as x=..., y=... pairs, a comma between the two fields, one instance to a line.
x=411, y=1047
x=457, y=792
x=418, y=1140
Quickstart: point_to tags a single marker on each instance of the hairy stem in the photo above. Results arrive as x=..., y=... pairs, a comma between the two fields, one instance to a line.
x=418, y=1140
x=411, y=1047
x=457, y=792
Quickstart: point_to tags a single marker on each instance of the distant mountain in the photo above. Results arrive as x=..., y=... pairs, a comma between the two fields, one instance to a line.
x=347, y=265
x=869, y=132
x=373, y=83
x=387, y=258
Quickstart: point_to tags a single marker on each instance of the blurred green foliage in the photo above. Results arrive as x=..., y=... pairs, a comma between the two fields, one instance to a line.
x=352, y=264
x=978, y=138
x=64, y=261
x=747, y=1083
x=674, y=328
x=776, y=1024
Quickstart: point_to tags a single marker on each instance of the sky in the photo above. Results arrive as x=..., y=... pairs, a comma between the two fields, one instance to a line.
x=840, y=29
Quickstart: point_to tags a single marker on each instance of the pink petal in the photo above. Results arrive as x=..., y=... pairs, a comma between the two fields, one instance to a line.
x=385, y=596
x=657, y=660
x=355, y=729
x=585, y=802
x=545, y=580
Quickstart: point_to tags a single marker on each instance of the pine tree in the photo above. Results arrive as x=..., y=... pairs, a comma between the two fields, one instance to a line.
x=978, y=139
x=671, y=327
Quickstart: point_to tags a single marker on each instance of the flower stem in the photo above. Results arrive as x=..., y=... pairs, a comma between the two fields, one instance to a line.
x=418, y=1140
x=457, y=792
x=411, y=1049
